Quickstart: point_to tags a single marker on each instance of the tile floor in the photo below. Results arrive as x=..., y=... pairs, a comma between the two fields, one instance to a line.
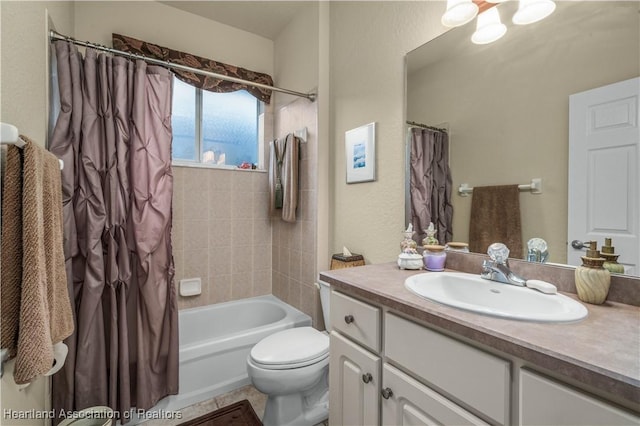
x=255, y=397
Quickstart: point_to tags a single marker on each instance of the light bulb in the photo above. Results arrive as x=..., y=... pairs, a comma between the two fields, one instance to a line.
x=489, y=28
x=459, y=12
x=530, y=11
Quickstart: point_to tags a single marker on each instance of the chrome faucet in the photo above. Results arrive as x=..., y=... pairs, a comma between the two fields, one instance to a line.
x=497, y=269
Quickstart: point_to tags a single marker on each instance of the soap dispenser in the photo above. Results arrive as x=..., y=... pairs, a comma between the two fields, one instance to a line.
x=592, y=279
x=611, y=259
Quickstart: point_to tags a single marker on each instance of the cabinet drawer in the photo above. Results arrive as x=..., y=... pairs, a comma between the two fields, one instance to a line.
x=469, y=375
x=413, y=403
x=356, y=319
x=546, y=402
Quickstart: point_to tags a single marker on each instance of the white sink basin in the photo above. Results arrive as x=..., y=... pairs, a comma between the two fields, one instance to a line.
x=472, y=293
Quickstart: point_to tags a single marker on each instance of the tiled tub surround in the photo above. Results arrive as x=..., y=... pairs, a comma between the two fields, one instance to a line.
x=600, y=354
x=294, y=249
x=221, y=233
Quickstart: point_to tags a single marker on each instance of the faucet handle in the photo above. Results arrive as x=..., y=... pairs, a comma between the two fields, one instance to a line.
x=498, y=252
x=487, y=272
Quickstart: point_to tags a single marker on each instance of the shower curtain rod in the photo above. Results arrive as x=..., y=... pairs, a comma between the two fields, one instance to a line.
x=424, y=126
x=57, y=36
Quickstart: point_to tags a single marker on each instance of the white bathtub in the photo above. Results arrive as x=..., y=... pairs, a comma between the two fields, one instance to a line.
x=215, y=341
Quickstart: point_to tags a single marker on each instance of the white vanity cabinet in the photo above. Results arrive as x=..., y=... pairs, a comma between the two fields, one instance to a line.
x=390, y=370
x=544, y=401
x=366, y=391
x=354, y=363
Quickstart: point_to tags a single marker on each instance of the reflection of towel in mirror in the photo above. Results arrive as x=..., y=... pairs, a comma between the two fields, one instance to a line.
x=36, y=311
x=284, y=172
x=495, y=217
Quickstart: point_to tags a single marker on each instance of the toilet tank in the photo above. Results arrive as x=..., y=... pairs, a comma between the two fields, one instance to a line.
x=325, y=293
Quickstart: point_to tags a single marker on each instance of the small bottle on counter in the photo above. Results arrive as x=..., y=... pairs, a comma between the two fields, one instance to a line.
x=434, y=257
x=611, y=258
x=592, y=280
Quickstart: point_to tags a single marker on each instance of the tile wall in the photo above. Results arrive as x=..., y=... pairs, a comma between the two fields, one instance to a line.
x=294, y=244
x=221, y=233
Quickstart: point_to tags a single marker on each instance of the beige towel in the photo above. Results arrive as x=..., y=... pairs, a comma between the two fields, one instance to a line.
x=495, y=217
x=36, y=311
x=289, y=149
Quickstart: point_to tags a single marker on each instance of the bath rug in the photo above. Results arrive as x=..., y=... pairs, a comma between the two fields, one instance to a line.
x=238, y=414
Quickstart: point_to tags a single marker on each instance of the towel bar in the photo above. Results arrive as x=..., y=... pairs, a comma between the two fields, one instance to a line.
x=535, y=187
x=9, y=135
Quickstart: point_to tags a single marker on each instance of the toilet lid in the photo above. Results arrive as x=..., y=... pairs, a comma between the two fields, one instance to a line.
x=293, y=347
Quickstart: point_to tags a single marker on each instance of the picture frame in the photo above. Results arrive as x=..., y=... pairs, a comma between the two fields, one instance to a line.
x=360, y=153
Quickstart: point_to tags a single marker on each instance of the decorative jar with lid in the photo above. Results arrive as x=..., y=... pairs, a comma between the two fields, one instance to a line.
x=434, y=257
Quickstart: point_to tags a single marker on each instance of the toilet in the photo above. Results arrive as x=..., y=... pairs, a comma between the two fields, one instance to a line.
x=292, y=368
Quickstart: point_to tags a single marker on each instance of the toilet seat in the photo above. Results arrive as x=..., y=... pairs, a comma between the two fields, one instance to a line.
x=292, y=348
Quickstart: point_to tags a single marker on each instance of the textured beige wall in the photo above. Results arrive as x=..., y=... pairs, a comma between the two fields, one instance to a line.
x=23, y=103
x=296, y=55
x=173, y=28
x=507, y=105
x=369, y=41
x=23, y=59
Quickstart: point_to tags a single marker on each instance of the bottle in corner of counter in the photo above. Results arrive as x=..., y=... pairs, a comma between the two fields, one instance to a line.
x=592, y=279
x=611, y=258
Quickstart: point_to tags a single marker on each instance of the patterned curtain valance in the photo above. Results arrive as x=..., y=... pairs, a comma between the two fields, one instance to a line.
x=132, y=45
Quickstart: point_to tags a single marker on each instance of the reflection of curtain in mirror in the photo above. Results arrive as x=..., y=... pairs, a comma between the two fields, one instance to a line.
x=430, y=183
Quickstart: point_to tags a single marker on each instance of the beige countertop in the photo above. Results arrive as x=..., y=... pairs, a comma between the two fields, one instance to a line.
x=601, y=352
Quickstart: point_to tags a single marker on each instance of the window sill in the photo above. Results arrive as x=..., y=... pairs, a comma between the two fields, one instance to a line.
x=195, y=165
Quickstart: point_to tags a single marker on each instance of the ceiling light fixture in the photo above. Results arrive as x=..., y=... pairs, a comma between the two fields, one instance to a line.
x=489, y=27
x=530, y=11
x=459, y=12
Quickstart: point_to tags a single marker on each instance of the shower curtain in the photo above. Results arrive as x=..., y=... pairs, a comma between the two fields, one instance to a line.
x=114, y=134
x=430, y=183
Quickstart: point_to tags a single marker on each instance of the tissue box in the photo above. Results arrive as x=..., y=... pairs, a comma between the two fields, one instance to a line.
x=340, y=261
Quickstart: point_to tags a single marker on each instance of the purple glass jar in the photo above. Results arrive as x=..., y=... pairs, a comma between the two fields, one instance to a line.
x=434, y=258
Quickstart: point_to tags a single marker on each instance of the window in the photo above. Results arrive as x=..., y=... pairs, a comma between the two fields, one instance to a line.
x=214, y=128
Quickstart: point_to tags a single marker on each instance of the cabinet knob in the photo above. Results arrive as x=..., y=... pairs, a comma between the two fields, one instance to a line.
x=386, y=393
x=367, y=377
x=348, y=319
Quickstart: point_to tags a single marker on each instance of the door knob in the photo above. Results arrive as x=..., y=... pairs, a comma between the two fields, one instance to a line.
x=386, y=393
x=577, y=244
x=367, y=377
x=348, y=319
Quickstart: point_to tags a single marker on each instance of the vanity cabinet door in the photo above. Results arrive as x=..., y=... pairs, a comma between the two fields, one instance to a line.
x=354, y=383
x=410, y=402
x=547, y=402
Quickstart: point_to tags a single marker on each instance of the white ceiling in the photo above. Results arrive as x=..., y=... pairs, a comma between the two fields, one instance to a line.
x=265, y=18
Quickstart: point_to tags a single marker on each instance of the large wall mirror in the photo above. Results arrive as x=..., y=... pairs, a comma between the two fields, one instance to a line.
x=506, y=104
